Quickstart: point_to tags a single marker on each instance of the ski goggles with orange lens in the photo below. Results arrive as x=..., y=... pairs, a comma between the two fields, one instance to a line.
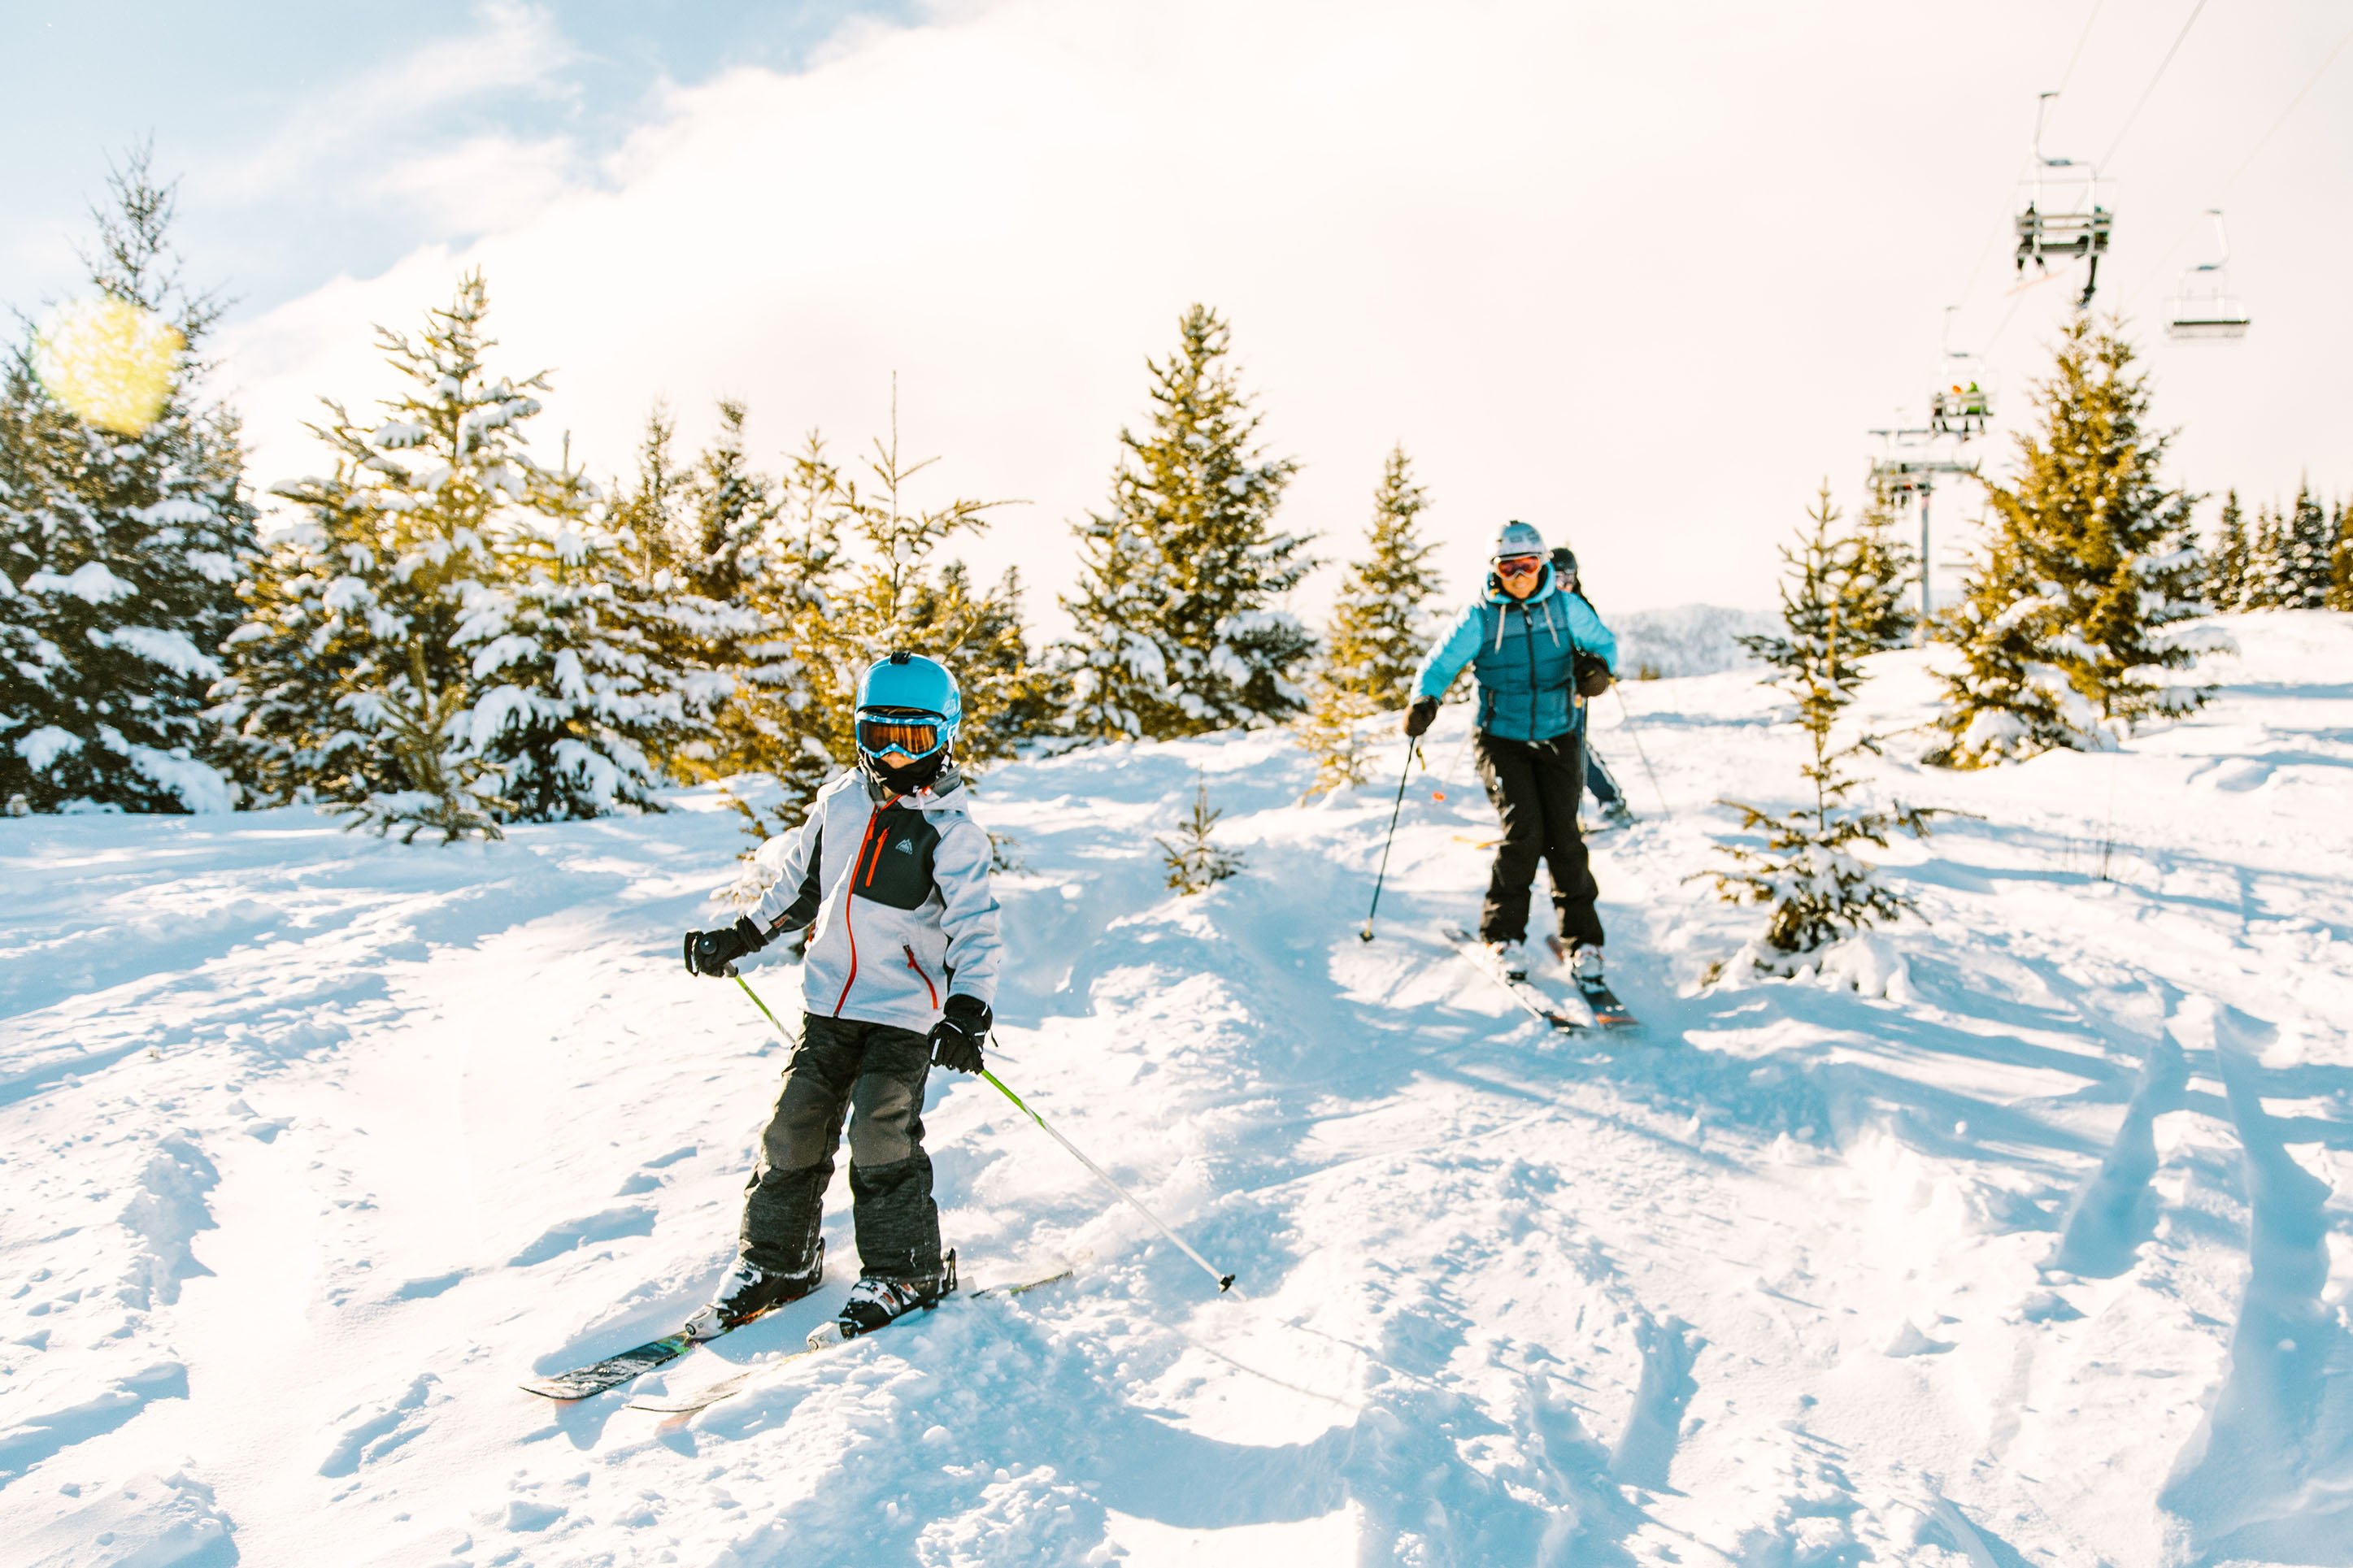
x=913, y=739
x=1519, y=566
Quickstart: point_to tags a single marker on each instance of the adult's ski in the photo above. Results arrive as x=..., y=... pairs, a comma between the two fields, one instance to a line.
x=819, y=1341
x=1609, y=1013
x=1535, y=1001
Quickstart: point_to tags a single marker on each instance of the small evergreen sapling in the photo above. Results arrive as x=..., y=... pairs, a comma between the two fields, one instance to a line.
x=1808, y=872
x=1195, y=863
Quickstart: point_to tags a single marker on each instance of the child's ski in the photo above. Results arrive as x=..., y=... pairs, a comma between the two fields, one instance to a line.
x=1609, y=1013
x=702, y=1398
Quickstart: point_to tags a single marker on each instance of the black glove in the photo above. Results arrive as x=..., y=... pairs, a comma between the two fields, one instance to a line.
x=957, y=1039
x=1592, y=675
x=1420, y=716
x=714, y=953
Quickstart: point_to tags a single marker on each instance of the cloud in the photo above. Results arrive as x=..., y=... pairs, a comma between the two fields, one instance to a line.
x=369, y=124
x=1642, y=275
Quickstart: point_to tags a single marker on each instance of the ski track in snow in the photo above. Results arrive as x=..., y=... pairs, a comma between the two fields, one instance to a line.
x=2020, y=1234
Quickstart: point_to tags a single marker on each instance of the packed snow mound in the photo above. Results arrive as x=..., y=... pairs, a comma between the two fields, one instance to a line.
x=1687, y=639
x=2019, y=1233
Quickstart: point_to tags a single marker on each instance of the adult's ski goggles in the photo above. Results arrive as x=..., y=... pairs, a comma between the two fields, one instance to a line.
x=913, y=739
x=1519, y=565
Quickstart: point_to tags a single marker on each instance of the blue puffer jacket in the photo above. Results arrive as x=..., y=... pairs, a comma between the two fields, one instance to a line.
x=1521, y=650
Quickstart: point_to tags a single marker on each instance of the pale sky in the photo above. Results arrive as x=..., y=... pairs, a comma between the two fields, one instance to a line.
x=1642, y=274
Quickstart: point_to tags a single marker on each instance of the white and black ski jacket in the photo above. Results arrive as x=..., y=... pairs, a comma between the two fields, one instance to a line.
x=896, y=891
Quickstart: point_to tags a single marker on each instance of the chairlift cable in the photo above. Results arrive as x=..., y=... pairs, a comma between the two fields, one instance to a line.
x=2001, y=231
x=2081, y=39
x=2109, y=156
x=2246, y=163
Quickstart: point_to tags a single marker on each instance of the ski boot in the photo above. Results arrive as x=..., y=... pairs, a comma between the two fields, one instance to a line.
x=749, y=1290
x=1511, y=957
x=876, y=1303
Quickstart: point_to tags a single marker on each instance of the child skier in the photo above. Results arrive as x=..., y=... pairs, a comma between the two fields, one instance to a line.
x=1599, y=782
x=1538, y=651
x=892, y=874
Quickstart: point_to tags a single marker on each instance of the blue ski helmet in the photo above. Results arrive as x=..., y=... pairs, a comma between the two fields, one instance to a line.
x=908, y=710
x=1517, y=538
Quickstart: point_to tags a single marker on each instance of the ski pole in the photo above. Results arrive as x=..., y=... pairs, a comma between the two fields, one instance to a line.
x=1412, y=749
x=1636, y=736
x=1225, y=1281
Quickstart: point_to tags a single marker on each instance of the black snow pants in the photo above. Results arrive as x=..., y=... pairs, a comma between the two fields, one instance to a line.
x=873, y=1075
x=1535, y=789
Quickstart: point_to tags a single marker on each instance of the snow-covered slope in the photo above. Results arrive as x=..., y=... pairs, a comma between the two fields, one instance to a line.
x=2023, y=1235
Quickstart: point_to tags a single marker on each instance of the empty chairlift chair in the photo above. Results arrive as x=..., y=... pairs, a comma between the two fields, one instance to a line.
x=2205, y=309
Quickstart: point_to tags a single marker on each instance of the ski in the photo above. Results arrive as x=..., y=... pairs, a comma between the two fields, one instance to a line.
x=598, y=1376
x=1533, y=1001
x=726, y=1387
x=1609, y=1013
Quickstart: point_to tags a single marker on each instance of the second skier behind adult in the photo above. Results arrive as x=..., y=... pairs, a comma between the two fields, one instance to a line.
x=1537, y=651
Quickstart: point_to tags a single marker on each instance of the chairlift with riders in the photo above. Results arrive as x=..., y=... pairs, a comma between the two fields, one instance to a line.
x=2061, y=215
x=1960, y=399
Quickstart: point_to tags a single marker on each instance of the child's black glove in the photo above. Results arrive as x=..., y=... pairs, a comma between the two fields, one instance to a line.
x=714, y=953
x=957, y=1039
x=1419, y=717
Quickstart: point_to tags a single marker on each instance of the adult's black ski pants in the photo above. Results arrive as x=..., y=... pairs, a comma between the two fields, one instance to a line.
x=872, y=1075
x=1535, y=787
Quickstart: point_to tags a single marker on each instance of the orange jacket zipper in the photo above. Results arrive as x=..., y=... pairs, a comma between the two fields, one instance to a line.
x=932, y=991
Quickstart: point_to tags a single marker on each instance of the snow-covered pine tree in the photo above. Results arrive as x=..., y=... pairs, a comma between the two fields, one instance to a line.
x=2340, y=561
x=2075, y=611
x=1863, y=570
x=1376, y=636
x=893, y=592
x=695, y=638
x=2226, y=564
x=2305, y=545
x=120, y=548
x=1808, y=871
x=787, y=715
x=414, y=658
x=574, y=698
x=858, y=577
x=1177, y=628
x=2268, y=582
x=1880, y=569
x=1378, y=633
x=732, y=509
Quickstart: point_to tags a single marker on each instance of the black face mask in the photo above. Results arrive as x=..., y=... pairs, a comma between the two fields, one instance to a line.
x=916, y=775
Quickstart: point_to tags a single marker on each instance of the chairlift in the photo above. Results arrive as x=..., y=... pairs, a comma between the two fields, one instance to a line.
x=2205, y=309
x=2061, y=217
x=1960, y=400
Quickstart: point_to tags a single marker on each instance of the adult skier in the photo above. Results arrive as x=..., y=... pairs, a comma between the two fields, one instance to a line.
x=891, y=873
x=1538, y=652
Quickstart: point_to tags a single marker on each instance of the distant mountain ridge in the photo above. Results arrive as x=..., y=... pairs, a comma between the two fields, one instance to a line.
x=1685, y=640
